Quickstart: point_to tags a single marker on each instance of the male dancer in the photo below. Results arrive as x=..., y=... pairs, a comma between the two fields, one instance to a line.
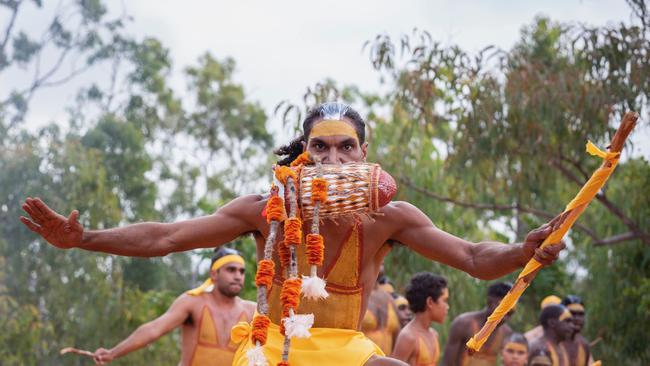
x=205, y=315
x=334, y=134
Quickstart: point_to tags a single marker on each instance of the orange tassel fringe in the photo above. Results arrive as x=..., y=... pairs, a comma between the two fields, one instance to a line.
x=260, y=329
x=290, y=295
x=275, y=209
x=315, y=249
x=283, y=172
x=265, y=273
x=318, y=190
x=293, y=231
x=284, y=254
x=301, y=159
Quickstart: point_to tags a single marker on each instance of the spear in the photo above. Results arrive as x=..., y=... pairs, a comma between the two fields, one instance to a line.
x=570, y=215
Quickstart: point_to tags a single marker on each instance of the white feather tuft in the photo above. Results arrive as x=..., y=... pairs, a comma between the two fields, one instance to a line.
x=297, y=326
x=256, y=357
x=313, y=287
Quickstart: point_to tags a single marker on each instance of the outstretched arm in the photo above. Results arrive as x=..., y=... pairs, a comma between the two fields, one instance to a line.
x=485, y=260
x=148, y=332
x=147, y=239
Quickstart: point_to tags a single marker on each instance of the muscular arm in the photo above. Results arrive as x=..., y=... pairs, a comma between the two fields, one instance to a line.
x=404, y=347
x=149, y=332
x=456, y=343
x=485, y=260
x=147, y=239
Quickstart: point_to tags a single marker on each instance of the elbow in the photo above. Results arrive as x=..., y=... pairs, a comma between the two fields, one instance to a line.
x=163, y=247
x=476, y=269
x=164, y=243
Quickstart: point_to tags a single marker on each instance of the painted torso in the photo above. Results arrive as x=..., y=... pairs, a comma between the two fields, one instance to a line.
x=487, y=356
x=205, y=337
x=342, y=270
x=428, y=350
x=380, y=322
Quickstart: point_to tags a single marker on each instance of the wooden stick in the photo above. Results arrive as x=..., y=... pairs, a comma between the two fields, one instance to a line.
x=76, y=351
x=567, y=218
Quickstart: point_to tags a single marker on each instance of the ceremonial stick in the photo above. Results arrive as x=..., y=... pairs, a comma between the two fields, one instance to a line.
x=76, y=351
x=570, y=214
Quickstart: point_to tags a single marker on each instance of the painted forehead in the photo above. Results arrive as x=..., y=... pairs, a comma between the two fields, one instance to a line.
x=330, y=127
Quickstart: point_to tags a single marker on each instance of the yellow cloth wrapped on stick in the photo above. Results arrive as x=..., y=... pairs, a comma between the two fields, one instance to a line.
x=572, y=212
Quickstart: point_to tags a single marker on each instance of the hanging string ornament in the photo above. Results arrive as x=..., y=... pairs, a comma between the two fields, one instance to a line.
x=293, y=324
x=313, y=287
x=275, y=214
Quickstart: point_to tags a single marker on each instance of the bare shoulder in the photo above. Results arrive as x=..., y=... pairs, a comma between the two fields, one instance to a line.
x=246, y=208
x=186, y=302
x=398, y=207
x=461, y=325
x=537, y=346
x=582, y=340
x=464, y=318
x=246, y=201
x=407, y=335
x=505, y=329
x=434, y=332
x=249, y=307
x=401, y=214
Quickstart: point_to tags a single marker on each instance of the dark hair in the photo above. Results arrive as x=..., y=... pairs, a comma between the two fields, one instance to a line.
x=499, y=289
x=572, y=299
x=516, y=338
x=326, y=110
x=422, y=286
x=552, y=311
x=222, y=252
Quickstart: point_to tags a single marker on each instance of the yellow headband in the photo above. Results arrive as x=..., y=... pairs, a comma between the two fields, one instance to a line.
x=516, y=346
x=565, y=315
x=550, y=300
x=333, y=128
x=401, y=301
x=236, y=258
x=230, y=258
x=576, y=307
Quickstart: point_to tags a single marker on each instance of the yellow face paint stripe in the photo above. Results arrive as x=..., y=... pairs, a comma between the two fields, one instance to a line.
x=576, y=307
x=333, y=128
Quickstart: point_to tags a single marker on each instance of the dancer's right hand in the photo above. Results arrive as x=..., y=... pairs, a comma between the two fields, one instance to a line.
x=60, y=231
x=102, y=356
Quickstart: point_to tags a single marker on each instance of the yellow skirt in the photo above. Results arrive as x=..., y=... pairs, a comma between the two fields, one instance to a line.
x=326, y=346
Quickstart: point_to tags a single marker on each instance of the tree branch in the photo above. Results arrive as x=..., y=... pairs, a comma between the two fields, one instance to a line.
x=495, y=207
x=600, y=196
x=615, y=239
x=10, y=27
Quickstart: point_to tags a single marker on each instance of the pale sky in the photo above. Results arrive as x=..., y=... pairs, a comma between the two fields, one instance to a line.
x=281, y=47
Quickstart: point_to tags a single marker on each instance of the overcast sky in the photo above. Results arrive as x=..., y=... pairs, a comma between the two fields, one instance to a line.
x=283, y=46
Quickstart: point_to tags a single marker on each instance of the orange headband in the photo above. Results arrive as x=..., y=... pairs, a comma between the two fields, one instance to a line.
x=333, y=128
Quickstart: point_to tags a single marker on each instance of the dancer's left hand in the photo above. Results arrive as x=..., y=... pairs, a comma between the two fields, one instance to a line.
x=536, y=237
x=103, y=356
